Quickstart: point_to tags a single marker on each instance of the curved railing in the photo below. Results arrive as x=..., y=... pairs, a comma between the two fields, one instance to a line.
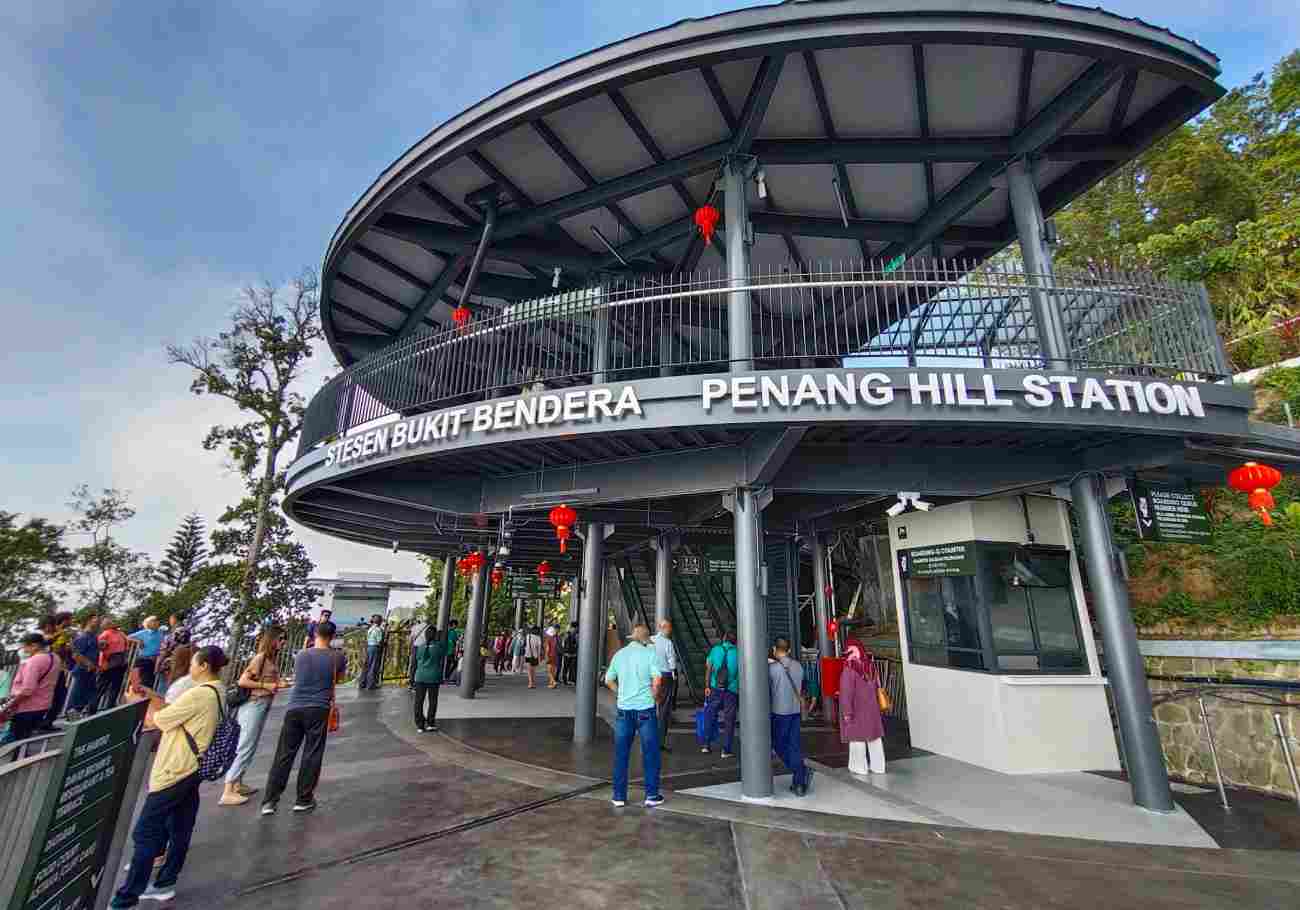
x=846, y=314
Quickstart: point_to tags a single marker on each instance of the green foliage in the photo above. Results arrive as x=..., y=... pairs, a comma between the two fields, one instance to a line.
x=185, y=555
x=33, y=560
x=1283, y=386
x=1217, y=201
x=112, y=576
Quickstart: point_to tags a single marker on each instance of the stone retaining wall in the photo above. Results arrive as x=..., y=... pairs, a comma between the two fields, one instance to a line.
x=1249, y=752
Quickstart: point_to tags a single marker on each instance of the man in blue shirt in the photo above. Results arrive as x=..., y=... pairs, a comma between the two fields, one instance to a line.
x=146, y=659
x=722, y=693
x=373, y=673
x=634, y=676
x=85, y=666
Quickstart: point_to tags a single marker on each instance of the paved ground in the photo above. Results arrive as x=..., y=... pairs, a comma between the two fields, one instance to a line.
x=452, y=822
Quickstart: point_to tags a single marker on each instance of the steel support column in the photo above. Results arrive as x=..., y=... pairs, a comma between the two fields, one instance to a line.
x=489, y=226
x=1124, y=668
x=575, y=598
x=541, y=612
x=740, y=333
x=445, y=595
x=664, y=546
x=591, y=629
x=474, y=628
x=519, y=613
x=746, y=505
x=822, y=610
x=600, y=343
x=1028, y=214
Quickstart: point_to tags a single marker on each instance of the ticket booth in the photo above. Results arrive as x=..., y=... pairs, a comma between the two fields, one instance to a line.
x=1001, y=669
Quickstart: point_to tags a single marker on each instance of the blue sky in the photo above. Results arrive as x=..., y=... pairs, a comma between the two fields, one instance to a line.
x=160, y=155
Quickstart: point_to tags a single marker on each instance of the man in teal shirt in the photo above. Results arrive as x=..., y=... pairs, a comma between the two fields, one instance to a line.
x=721, y=694
x=430, y=659
x=634, y=675
x=371, y=678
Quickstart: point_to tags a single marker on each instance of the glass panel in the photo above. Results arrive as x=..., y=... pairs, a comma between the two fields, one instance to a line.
x=1043, y=570
x=1008, y=606
x=1058, y=633
x=942, y=622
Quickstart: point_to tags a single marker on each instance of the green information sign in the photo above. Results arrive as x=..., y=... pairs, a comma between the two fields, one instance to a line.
x=66, y=859
x=531, y=586
x=1169, y=513
x=938, y=561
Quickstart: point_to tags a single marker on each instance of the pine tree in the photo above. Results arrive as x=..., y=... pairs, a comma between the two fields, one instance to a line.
x=186, y=554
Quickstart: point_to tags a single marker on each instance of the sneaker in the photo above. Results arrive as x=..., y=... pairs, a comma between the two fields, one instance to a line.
x=727, y=754
x=245, y=791
x=154, y=893
x=308, y=806
x=420, y=730
x=118, y=903
x=652, y=801
x=704, y=750
x=432, y=728
x=618, y=803
x=269, y=808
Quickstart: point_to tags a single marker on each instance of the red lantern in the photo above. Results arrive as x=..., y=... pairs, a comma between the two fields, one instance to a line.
x=706, y=219
x=833, y=627
x=460, y=316
x=543, y=569
x=563, y=518
x=1256, y=480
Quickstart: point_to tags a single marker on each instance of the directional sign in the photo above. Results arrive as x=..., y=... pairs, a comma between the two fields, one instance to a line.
x=66, y=859
x=688, y=564
x=1169, y=513
x=938, y=561
x=531, y=586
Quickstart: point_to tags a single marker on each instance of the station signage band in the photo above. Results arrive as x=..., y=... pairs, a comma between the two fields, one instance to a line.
x=788, y=392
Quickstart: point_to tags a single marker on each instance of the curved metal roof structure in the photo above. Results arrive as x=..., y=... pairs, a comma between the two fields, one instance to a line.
x=881, y=128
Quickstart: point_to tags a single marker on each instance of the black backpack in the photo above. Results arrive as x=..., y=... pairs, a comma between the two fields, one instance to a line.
x=216, y=759
x=721, y=674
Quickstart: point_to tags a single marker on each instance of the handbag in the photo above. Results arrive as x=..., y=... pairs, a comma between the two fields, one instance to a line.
x=335, y=721
x=882, y=697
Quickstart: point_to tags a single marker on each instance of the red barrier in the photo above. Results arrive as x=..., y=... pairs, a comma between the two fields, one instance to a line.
x=832, y=667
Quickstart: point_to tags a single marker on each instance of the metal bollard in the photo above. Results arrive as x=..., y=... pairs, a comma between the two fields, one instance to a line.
x=1214, y=754
x=1286, y=753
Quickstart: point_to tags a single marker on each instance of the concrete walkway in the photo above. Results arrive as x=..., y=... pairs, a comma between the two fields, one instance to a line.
x=440, y=821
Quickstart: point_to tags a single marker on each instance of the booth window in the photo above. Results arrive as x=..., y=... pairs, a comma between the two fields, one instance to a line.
x=1011, y=610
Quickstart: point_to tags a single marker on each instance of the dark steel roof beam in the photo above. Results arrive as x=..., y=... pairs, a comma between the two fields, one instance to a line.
x=828, y=126
x=912, y=151
x=439, y=236
x=433, y=293
x=1122, y=101
x=1026, y=84
x=648, y=142
x=363, y=344
x=464, y=216
x=923, y=121
x=360, y=317
x=652, y=241
x=1056, y=117
x=688, y=165
x=719, y=97
x=580, y=171
x=367, y=290
x=755, y=109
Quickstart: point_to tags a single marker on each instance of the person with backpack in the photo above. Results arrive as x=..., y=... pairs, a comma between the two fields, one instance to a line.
x=32, y=691
x=785, y=681
x=198, y=737
x=721, y=695
x=112, y=664
x=253, y=695
x=316, y=671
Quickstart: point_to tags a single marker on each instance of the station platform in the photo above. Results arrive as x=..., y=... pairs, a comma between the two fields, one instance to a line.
x=499, y=809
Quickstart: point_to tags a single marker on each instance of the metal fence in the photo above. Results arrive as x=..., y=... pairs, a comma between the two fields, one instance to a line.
x=853, y=314
x=26, y=769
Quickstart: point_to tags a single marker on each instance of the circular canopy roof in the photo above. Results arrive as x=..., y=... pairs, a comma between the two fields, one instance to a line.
x=881, y=129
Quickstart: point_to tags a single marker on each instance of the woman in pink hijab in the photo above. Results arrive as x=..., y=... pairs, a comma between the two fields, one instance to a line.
x=860, y=723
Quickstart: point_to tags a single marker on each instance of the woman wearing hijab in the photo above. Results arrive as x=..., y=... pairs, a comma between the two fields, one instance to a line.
x=860, y=722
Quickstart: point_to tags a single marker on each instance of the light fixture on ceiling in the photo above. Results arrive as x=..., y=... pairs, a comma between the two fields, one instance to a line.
x=555, y=277
x=839, y=200
x=761, y=177
x=394, y=546
x=609, y=246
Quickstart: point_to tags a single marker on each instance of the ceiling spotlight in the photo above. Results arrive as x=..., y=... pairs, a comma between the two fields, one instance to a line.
x=923, y=505
x=904, y=498
x=896, y=509
x=394, y=546
x=503, y=550
x=555, y=277
x=761, y=177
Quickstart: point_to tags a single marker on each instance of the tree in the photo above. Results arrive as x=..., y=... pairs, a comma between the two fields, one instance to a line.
x=186, y=554
x=1217, y=201
x=280, y=589
x=111, y=575
x=33, y=560
x=255, y=364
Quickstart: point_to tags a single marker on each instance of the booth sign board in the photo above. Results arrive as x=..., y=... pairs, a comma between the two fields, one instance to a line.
x=938, y=561
x=688, y=564
x=531, y=586
x=1170, y=513
x=66, y=860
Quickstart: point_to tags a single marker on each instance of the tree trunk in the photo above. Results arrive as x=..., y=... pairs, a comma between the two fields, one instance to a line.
x=247, y=583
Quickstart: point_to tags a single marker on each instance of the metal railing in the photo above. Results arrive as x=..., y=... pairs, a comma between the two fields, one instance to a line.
x=850, y=314
x=26, y=769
